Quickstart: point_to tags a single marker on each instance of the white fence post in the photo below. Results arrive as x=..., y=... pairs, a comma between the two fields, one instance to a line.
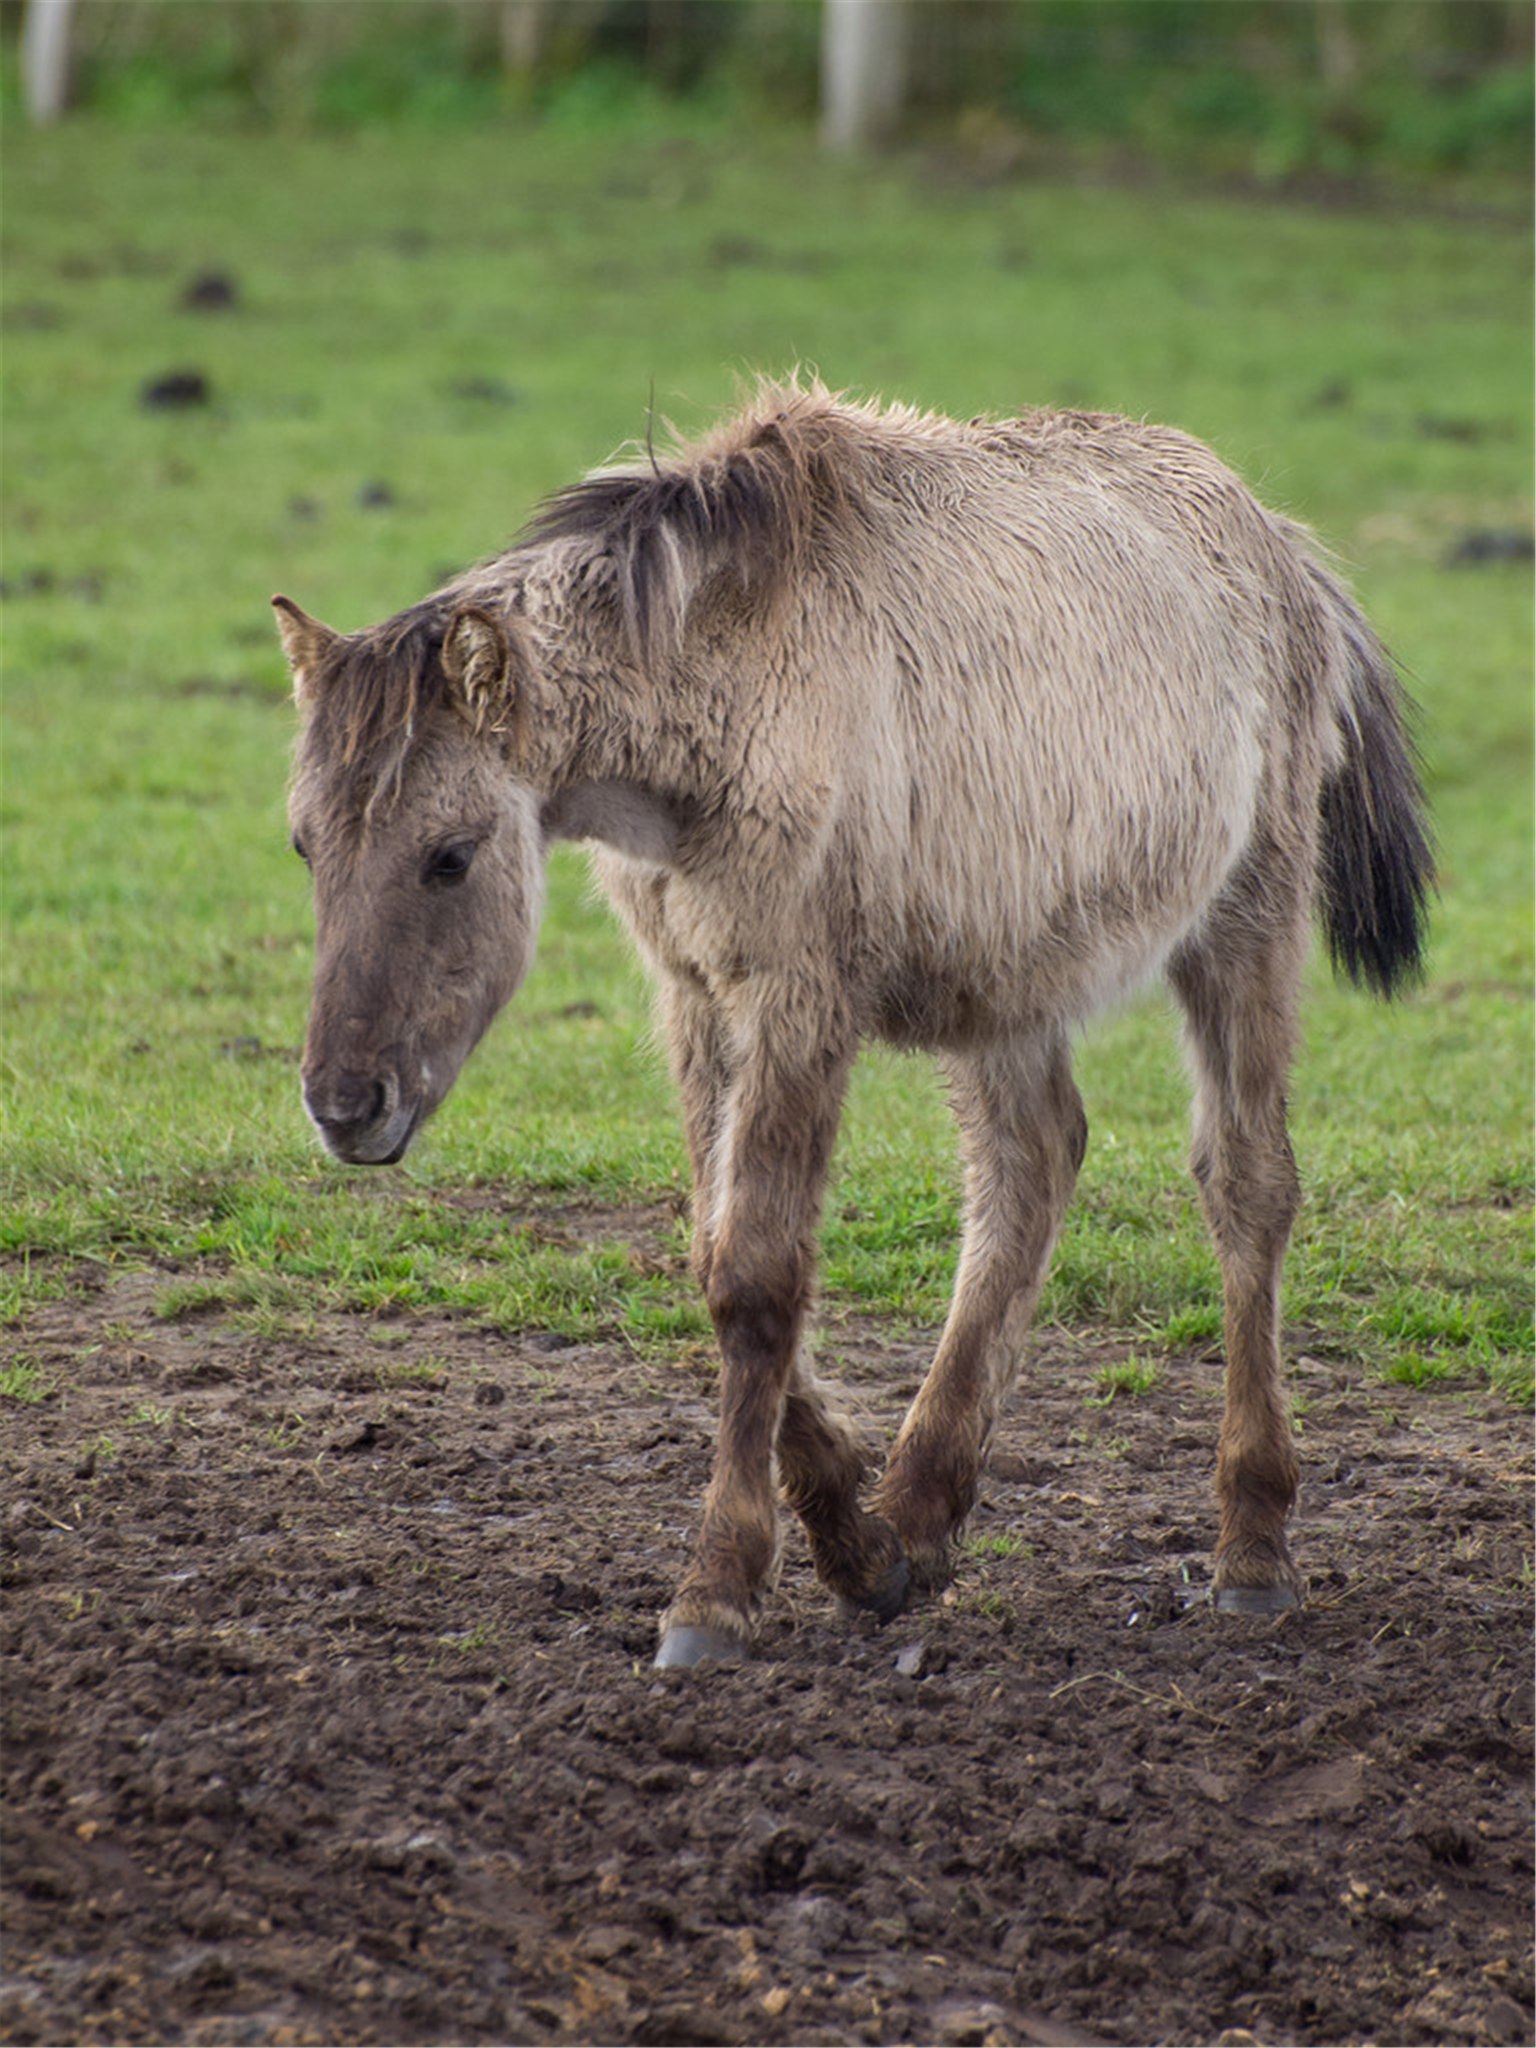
x=863, y=70
x=45, y=57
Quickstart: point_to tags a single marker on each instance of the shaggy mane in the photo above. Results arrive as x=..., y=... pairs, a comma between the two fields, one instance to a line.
x=744, y=501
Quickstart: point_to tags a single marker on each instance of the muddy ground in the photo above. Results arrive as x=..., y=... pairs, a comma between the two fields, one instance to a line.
x=329, y=1715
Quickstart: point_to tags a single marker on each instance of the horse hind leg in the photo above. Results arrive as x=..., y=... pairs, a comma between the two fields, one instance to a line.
x=1023, y=1134
x=1239, y=994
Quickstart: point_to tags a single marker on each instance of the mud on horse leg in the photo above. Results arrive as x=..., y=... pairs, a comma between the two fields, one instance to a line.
x=821, y=1460
x=736, y=1553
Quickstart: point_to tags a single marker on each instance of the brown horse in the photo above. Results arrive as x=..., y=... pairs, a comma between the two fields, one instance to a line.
x=884, y=726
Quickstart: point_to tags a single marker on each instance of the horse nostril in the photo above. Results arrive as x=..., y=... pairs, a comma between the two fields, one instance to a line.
x=350, y=1102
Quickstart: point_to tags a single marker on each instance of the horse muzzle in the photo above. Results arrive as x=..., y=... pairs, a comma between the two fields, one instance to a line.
x=363, y=1118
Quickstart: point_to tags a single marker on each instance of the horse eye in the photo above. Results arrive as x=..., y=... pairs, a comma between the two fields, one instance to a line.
x=450, y=862
x=298, y=846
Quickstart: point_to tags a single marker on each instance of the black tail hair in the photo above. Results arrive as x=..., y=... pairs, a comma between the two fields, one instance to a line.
x=1377, y=852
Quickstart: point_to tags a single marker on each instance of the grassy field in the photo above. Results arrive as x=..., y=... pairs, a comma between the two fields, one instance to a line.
x=428, y=330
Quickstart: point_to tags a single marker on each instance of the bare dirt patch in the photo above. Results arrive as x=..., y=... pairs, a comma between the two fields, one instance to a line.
x=329, y=1715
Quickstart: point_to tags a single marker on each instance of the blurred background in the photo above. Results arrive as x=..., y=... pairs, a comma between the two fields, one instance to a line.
x=1273, y=90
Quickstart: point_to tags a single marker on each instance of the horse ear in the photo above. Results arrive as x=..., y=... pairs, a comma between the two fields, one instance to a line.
x=477, y=660
x=305, y=642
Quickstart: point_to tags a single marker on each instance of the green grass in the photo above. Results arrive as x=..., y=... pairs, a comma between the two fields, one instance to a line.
x=469, y=319
x=21, y=1380
x=1128, y=1376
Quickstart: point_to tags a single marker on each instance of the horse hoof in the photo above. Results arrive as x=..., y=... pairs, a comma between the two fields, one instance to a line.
x=684, y=1649
x=885, y=1600
x=890, y=1596
x=1264, y=1600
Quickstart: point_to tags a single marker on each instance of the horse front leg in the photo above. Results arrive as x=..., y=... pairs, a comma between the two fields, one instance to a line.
x=755, y=1252
x=822, y=1461
x=822, y=1454
x=1022, y=1133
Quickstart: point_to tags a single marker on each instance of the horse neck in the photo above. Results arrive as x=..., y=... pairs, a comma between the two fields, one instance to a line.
x=594, y=714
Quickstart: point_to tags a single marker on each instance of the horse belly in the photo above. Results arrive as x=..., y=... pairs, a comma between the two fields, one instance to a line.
x=1048, y=919
x=942, y=1004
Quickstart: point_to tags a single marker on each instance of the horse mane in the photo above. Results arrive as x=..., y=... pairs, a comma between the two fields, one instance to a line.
x=744, y=503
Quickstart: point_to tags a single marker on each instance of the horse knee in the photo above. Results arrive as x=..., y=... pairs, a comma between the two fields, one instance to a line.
x=755, y=1319
x=757, y=1299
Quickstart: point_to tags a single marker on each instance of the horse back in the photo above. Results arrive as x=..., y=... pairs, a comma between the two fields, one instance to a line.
x=1026, y=700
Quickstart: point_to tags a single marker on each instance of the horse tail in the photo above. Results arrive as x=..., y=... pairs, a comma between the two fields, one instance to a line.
x=1376, y=856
